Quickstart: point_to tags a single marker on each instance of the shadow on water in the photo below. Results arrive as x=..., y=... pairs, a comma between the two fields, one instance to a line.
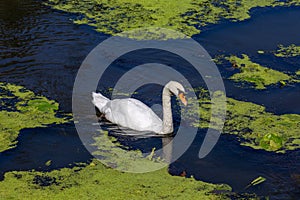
x=42, y=50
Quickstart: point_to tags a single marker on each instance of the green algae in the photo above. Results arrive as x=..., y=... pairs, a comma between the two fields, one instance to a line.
x=114, y=155
x=256, y=74
x=257, y=181
x=254, y=126
x=27, y=111
x=211, y=12
x=115, y=16
x=288, y=51
x=298, y=73
x=95, y=181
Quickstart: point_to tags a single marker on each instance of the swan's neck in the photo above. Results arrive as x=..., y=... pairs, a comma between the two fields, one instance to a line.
x=167, y=112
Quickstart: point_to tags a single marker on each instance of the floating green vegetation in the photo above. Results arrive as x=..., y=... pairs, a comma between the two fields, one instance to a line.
x=21, y=108
x=115, y=156
x=260, y=52
x=298, y=73
x=95, y=181
x=288, y=51
x=257, y=181
x=251, y=123
x=256, y=74
x=115, y=16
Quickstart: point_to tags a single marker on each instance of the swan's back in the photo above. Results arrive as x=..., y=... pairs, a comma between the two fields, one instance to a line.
x=133, y=114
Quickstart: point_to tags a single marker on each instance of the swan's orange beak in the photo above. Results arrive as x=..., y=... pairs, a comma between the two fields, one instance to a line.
x=183, y=99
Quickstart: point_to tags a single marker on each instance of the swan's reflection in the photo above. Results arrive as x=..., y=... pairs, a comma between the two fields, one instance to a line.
x=167, y=149
x=144, y=141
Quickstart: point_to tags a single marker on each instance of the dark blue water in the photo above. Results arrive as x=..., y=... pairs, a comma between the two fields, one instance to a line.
x=42, y=50
x=266, y=29
x=58, y=143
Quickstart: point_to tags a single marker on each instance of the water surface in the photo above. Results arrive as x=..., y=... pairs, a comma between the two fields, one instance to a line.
x=42, y=49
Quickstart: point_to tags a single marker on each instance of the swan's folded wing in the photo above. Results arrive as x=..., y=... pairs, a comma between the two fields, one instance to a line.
x=99, y=101
x=133, y=114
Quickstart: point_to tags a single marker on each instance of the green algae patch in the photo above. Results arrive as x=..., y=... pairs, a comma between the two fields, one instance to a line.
x=113, y=154
x=95, y=181
x=211, y=12
x=254, y=126
x=115, y=16
x=288, y=51
x=256, y=74
x=21, y=108
x=298, y=73
x=261, y=129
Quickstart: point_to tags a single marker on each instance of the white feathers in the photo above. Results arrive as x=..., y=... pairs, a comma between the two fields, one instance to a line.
x=134, y=114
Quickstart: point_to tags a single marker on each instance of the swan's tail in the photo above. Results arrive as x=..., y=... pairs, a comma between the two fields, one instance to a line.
x=99, y=100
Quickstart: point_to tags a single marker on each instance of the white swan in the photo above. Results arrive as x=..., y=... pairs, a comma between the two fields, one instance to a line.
x=134, y=114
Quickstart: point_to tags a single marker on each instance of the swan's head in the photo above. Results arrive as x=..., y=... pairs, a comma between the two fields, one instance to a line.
x=178, y=90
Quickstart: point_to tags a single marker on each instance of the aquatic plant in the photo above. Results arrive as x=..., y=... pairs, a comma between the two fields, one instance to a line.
x=21, y=108
x=260, y=52
x=115, y=16
x=256, y=181
x=298, y=73
x=254, y=126
x=256, y=74
x=288, y=51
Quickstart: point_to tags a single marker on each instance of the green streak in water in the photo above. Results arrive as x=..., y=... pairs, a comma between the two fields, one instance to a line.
x=29, y=111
